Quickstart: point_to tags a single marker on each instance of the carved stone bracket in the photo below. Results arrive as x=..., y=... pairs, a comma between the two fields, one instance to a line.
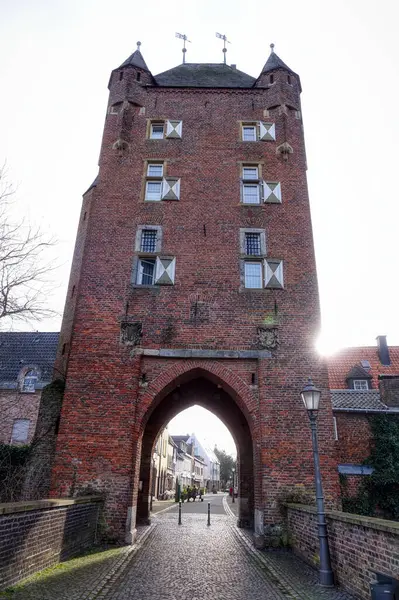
x=268, y=337
x=131, y=333
x=285, y=150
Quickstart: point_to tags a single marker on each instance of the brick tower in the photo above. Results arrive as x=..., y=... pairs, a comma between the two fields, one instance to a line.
x=194, y=282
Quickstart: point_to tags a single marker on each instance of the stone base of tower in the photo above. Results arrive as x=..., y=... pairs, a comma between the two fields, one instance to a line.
x=112, y=453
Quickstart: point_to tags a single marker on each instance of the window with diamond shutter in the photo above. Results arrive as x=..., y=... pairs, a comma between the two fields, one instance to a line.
x=170, y=188
x=165, y=271
x=267, y=131
x=274, y=274
x=272, y=191
x=174, y=129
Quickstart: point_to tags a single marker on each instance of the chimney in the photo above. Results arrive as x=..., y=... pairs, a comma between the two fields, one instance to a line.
x=234, y=67
x=383, y=351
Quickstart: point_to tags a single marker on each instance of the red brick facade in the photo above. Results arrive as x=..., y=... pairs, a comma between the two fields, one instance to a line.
x=119, y=395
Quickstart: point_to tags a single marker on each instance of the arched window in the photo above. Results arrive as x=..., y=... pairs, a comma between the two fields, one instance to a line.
x=29, y=381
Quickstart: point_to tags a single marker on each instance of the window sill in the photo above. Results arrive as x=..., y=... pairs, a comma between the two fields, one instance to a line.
x=140, y=286
x=251, y=205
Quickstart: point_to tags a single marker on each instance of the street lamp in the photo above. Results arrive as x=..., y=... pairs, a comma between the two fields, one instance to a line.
x=311, y=399
x=233, y=485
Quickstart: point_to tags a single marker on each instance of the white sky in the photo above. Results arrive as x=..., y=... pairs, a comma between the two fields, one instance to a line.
x=55, y=60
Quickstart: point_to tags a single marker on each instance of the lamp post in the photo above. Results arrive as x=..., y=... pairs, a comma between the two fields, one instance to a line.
x=233, y=470
x=311, y=399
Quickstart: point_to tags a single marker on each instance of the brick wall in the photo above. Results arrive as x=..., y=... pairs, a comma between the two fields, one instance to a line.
x=354, y=437
x=360, y=546
x=40, y=534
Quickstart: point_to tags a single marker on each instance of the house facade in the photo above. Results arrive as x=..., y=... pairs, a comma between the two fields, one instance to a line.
x=364, y=381
x=26, y=367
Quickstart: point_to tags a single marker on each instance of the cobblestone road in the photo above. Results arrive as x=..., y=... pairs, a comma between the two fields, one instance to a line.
x=187, y=562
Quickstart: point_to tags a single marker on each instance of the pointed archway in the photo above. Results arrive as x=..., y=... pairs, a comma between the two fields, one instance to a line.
x=206, y=389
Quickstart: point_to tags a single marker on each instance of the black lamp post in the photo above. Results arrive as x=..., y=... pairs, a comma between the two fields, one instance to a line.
x=311, y=399
x=233, y=470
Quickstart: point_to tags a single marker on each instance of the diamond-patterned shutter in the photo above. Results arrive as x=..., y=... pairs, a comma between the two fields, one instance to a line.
x=267, y=131
x=272, y=191
x=274, y=273
x=165, y=271
x=170, y=188
x=174, y=129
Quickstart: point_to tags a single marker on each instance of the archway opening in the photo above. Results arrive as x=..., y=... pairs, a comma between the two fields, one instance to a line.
x=205, y=390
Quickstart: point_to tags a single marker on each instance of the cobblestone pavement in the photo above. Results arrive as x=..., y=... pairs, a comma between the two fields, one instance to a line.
x=187, y=562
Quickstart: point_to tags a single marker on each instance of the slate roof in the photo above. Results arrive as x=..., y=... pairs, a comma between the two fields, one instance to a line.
x=19, y=349
x=340, y=363
x=360, y=400
x=204, y=75
x=274, y=62
x=135, y=60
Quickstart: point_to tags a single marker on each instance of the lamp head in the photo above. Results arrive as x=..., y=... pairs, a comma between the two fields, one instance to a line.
x=311, y=396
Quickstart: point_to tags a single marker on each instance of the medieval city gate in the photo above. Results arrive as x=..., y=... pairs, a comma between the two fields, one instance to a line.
x=197, y=385
x=194, y=281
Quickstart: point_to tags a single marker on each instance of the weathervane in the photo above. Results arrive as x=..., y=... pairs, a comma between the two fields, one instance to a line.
x=224, y=38
x=184, y=50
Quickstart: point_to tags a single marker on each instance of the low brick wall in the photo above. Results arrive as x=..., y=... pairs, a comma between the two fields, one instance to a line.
x=359, y=546
x=38, y=534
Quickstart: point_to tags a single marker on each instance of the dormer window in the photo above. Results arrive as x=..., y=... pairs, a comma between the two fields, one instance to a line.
x=360, y=384
x=29, y=381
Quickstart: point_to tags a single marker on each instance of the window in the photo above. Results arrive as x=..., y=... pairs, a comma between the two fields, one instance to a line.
x=249, y=133
x=148, y=240
x=156, y=131
x=251, y=191
x=159, y=187
x=165, y=129
x=250, y=172
x=153, y=190
x=155, y=170
x=258, y=131
x=146, y=271
x=20, y=431
x=29, y=381
x=253, y=275
x=360, y=384
x=152, y=270
x=252, y=244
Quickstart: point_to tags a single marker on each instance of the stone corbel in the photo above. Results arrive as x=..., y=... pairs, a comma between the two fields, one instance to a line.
x=284, y=150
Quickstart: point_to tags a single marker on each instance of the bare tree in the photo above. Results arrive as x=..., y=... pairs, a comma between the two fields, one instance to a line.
x=24, y=270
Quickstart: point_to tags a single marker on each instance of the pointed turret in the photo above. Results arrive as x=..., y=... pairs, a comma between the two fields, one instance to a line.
x=134, y=69
x=275, y=64
x=136, y=60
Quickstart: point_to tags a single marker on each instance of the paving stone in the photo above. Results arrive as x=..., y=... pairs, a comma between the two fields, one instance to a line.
x=187, y=562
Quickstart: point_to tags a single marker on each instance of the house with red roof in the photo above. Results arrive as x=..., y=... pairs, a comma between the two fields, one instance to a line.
x=364, y=381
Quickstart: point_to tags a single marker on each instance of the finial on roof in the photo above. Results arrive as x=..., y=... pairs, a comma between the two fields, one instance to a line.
x=272, y=48
x=136, y=60
x=224, y=38
x=184, y=50
x=138, y=45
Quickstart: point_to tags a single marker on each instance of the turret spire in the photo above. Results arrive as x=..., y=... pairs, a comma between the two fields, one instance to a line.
x=136, y=60
x=275, y=62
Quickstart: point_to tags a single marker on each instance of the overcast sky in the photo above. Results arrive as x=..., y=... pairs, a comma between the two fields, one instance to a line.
x=55, y=60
